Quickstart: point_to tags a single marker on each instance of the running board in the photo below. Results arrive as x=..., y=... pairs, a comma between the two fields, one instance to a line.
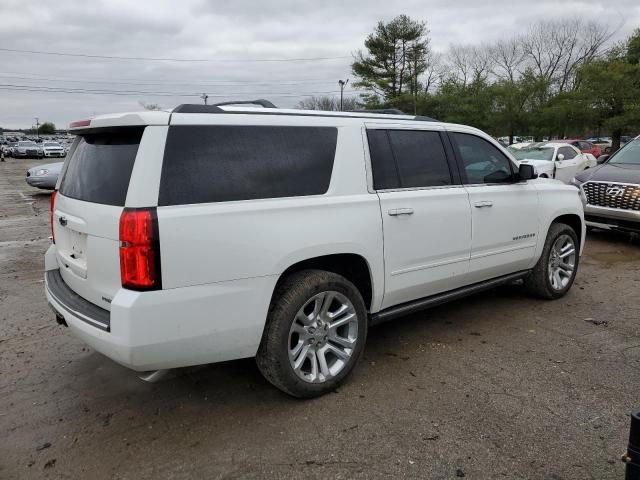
x=434, y=300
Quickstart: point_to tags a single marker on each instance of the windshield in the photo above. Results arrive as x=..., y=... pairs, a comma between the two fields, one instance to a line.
x=27, y=144
x=629, y=155
x=541, y=153
x=51, y=144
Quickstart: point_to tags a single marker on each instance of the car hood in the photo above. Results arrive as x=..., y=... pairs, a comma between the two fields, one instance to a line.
x=52, y=167
x=611, y=173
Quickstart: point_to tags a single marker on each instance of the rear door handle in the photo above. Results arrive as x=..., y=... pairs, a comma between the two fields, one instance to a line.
x=484, y=204
x=400, y=211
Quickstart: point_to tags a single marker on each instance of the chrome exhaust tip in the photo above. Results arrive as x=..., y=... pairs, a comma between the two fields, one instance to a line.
x=153, y=376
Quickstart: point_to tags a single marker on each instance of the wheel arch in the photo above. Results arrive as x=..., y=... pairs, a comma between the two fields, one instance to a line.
x=354, y=267
x=575, y=222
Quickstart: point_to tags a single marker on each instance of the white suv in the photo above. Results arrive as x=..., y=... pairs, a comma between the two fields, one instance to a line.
x=213, y=233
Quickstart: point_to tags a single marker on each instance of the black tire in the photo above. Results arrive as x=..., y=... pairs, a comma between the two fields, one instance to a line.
x=291, y=295
x=539, y=283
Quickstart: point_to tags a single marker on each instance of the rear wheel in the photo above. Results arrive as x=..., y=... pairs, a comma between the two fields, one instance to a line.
x=315, y=333
x=555, y=272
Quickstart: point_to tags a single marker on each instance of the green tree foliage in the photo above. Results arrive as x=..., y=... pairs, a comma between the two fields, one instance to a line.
x=610, y=91
x=47, y=128
x=633, y=48
x=396, y=57
x=558, y=78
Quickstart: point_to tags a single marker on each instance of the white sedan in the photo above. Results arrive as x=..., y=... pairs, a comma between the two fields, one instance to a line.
x=53, y=149
x=555, y=160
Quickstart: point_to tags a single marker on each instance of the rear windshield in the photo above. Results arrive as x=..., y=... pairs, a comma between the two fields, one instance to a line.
x=100, y=166
x=214, y=163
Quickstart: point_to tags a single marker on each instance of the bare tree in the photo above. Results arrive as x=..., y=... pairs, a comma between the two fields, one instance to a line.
x=330, y=104
x=555, y=49
x=507, y=56
x=459, y=64
x=467, y=64
x=584, y=43
x=434, y=71
x=481, y=62
x=544, y=48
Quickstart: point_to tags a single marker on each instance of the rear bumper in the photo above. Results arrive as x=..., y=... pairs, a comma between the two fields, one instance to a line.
x=175, y=327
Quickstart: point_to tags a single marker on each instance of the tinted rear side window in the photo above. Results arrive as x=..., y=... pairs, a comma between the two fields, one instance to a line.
x=383, y=166
x=100, y=166
x=408, y=159
x=420, y=158
x=215, y=163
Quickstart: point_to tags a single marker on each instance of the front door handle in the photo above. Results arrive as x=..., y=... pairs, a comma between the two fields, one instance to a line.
x=400, y=211
x=483, y=204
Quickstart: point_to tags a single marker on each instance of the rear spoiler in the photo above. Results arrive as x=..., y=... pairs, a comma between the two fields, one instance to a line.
x=134, y=119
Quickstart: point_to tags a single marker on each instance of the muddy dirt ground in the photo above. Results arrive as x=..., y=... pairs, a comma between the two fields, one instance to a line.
x=496, y=386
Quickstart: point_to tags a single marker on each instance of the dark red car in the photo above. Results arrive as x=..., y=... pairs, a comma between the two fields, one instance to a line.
x=583, y=146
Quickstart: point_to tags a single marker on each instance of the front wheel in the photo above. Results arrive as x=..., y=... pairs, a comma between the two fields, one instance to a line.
x=315, y=333
x=555, y=272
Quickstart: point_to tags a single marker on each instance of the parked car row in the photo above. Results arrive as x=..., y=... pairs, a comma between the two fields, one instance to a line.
x=605, y=142
x=31, y=149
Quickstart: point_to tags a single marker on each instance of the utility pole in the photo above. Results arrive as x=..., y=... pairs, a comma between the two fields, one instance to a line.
x=37, y=128
x=342, y=83
x=204, y=97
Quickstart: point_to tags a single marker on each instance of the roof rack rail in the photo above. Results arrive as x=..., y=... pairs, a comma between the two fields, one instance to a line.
x=262, y=102
x=394, y=111
x=386, y=111
x=215, y=108
x=270, y=107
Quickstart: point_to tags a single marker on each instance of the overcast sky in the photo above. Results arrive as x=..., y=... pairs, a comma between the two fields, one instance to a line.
x=230, y=35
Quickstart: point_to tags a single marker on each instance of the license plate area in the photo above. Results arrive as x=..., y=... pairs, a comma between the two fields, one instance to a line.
x=78, y=243
x=72, y=251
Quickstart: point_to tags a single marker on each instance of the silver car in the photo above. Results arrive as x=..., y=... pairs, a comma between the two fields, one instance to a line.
x=44, y=176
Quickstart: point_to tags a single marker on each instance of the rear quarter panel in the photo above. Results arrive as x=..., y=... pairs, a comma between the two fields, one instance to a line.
x=217, y=242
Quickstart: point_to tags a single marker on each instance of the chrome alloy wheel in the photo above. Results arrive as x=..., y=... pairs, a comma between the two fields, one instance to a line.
x=562, y=262
x=323, y=337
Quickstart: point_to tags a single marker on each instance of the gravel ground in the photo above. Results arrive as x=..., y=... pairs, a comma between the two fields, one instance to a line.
x=496, y=386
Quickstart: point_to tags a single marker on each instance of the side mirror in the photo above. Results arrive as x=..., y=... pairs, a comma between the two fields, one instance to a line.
x=560, y=157
x=602, y=158
x=526, y=172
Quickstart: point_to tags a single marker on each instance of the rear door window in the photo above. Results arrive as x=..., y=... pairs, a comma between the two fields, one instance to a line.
x=214, y=163
x=100, y=165
x=408, y=159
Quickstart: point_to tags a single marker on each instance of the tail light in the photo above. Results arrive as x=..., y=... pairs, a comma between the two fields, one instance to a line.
x=140, y=249
x=52, y=207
